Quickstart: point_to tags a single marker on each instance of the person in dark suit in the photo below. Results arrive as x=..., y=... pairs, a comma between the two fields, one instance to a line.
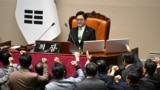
x=107, y=77
x=132, y=80
x=90, y=82
x=150, y=67
x=135, y=61
x=82, y=32
x=128, y=63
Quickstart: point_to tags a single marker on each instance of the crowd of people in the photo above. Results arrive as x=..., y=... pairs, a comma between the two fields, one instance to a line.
x=96, y=75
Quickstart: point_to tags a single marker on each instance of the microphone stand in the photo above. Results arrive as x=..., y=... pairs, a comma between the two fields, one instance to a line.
x=46, y=30
x=74, y=43
x=70, y=35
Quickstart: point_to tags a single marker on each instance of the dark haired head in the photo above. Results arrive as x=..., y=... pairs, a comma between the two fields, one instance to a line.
x=25, y=60
x=102, y=65
x=4, y=56
x=128, y=57
x=91, y=69
x=82, y=13
x=133, y=76
x=150, y=66
x=39, y=68
x=58, y=70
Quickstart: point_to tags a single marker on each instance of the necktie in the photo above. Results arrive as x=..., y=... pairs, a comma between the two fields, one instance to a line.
x=80, y=32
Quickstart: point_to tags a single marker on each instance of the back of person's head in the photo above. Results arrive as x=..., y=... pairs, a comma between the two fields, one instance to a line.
x=25, y=60
x=58, y=70
x=102, y=65
x=39, y=67
x=91, y=69
x=81, y=13
x=128, y=57
x=133, y=77
x=150, y=66
x=4, y=56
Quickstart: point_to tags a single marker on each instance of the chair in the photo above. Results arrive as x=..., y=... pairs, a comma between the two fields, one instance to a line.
x=97, y=21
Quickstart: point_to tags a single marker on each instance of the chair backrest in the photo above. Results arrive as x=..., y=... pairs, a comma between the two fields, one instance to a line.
x=97, y=21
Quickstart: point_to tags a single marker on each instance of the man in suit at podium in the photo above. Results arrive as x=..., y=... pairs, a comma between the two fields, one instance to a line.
x=82, y=32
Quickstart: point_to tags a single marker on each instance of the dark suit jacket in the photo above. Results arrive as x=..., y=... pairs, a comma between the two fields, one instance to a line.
x=88, y=34
x=153, y=79
x=127, y=70
x=158, y=72
x=134, y=87
x=109, y=82
x=90, y=84
x=146, y=85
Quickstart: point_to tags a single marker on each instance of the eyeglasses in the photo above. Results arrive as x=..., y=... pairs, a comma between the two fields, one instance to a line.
x=79, y=19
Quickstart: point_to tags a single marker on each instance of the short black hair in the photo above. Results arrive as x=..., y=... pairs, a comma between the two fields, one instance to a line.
x=91, y=69
x=4, y=56
x=128, y=57
x=39, y=67
x=102, y=65
x=150, y=66
x=58, y=70
x=25, y=60
x=82, y=13
x=133, y=76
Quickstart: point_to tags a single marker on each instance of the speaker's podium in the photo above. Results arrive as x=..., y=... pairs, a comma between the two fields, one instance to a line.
x=109, y=50
x=97, y=48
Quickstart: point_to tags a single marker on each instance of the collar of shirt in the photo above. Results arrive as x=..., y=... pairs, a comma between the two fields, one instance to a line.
x=128, y=65
x=82, y=28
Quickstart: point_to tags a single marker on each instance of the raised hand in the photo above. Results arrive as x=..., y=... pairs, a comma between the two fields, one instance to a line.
x=115, y=68
x=74, y=63
x=117, y=78
x=11, y=60
x=128, y=48
x=88, y=56
x=157, y=59
x=22, y=52
x=77, y=55
x=44, y=60
x=56, y=59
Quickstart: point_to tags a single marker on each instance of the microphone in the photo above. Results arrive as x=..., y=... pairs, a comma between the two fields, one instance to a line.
x=47, y=30
x=52, y=24
x=70, y=34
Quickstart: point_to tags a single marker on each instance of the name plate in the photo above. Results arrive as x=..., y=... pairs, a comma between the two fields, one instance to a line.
x=47, y=47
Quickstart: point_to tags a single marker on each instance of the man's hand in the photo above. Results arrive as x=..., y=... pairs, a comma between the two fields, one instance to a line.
x=11, y=61
x=117, y=78
x=44, y=60
x=88, y=56
x=22, y=52
x=128, y=48
x=113, y=70
x=157, y=59
x=56, y=59
x=77, y=55
x=74, y=63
